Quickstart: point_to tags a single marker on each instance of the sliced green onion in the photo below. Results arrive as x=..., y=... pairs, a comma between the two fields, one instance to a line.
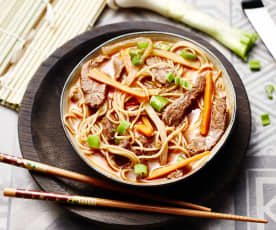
x=93, y=141
x=122, y=127
x=177, y=81
x=162, y=46
x=188, y=55
x=117, y=141
x=158, y=102
x=265, y=119
x=180, y=158
x=141, y=170
x=136, y=60
x=254, y=65
x=186, y=85
x=134, y=52
x=143, y=44
x=269, y=90
x=170, y=77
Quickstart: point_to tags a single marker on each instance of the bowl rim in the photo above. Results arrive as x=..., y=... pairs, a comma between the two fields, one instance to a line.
x=218, y=146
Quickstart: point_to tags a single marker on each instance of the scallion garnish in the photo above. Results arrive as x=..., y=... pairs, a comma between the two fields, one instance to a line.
x=162, y=46
x=158, y=102
x=177, y=81
x=143, y=44
x=265, y=119
x=117, y=141
x=254, y=65
x=180, y=158
x=141, y=170
x=136, y=60
x=186, y=85
x=269, y=90
x=134, y=52
x=93, y=141
x=122, y=127
x=170, y=77
x=188, y=55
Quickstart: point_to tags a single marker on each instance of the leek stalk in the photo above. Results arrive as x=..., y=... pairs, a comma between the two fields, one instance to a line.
x=239, y=41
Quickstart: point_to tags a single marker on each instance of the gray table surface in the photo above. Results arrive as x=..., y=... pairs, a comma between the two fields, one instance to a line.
x=253, y=191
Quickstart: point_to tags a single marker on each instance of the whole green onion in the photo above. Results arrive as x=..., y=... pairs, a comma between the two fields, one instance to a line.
x=122, y=127
x=170, y=77
x=93, y=141
x=189, y=56
x=143, y=44
x=237, y=40
x=141, y=170
x=186, y=85
x=254, y=65
x=265, y=119
x=158, y=102
x=269, y=90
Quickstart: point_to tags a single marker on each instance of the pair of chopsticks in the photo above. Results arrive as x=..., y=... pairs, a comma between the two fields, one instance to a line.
x=201, y=211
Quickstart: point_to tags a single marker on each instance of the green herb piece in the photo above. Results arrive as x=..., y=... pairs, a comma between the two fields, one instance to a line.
x=170, y=77
x=188, y=55
x=269, y=90
x=136, y=60
x=186, y=85
x=134, y=52
x=122, y=127
x=158, y=102
x=117, y=141
x=177, y=81
x=141, y=170
x=143, y=44
x=265, y=119
x=93, y=141
x=254, y=65
x=180, y=158
x=162, y=46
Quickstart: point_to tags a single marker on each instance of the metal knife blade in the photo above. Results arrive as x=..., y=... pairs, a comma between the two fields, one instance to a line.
x=262, y=22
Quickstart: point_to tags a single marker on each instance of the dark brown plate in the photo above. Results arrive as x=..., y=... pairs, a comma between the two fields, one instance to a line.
x=42, y=137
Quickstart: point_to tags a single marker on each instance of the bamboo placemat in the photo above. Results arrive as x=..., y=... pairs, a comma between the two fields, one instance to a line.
x=30, y=30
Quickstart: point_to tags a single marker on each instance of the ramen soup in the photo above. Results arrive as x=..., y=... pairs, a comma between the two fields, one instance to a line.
x=147, y=110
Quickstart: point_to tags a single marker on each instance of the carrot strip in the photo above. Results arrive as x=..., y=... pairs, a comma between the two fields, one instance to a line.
x=130, y=68
x=167, y=169
x=103, y=78
x=207, y=107
x=175, y=58
x=146, y=128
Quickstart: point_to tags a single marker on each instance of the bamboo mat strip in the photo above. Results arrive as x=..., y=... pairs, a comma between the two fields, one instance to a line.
x=66, y=26
x=17, y=27
x=71, y=17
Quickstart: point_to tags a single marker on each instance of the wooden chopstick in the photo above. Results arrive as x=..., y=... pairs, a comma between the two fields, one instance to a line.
x=48, y=169
x=93, y=201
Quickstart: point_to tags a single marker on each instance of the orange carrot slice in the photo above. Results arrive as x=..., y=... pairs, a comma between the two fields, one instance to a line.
x=103, y=78
x=145, y=128
x=172, y=167
x=207, y=107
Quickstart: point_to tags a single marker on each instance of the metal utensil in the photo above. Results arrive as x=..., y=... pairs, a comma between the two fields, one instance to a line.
x=262, y=22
